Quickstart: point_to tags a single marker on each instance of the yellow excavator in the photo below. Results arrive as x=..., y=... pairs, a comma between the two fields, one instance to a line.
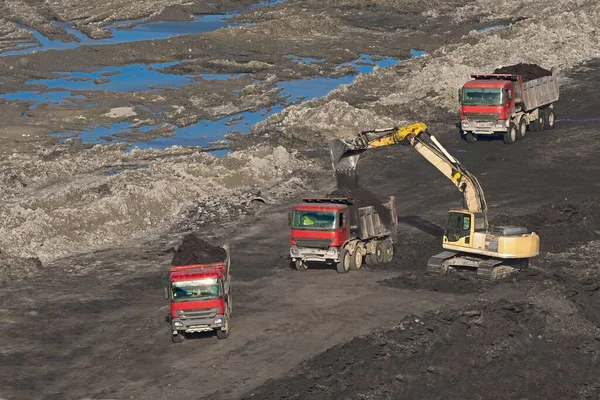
x=469, y=241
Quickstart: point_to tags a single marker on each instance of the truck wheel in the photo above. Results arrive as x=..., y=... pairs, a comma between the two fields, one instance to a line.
x=179, y=338
x=223, y=333
x=538, y=124
x=357, y=259
x=522, y=131
x=301, y=265
x=471, y=138
x=388, y=251
x=380, y=253
x=370, y=259
x=549, y=119
x=511, y=135
x=343, y=265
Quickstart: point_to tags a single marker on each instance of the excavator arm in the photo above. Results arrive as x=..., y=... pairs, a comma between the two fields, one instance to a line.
x=345, y=155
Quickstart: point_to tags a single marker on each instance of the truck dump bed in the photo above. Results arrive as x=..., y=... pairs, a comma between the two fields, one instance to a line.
x=540, y=92
x=371, y=224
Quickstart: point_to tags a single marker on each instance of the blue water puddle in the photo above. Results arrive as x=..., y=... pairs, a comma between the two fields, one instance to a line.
x=204, y=132
x=124, y=32
x=120, y=79
x=417, y=53
x=490, y=28
x=51, y=98
x=135, y=77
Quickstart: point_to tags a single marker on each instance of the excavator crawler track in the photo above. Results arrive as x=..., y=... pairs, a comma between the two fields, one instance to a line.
x=489, y=269
x=436, y=264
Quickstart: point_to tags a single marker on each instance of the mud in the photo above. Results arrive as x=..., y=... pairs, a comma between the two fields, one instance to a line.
x=194, y=250
x=528, y=71
x=16, y=268
x=494, y=351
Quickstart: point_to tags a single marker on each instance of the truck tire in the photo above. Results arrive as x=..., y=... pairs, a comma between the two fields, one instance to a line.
x=223, y=333
x=380, y=252
x=179, y=338
x=370, y=259
x=357, y=259
x=522, y=129
x=301, y=265
x=549, y=119
x=388, y=251
x=343, y=266
x=538, y=124
x=511, y=134
x=471, y=138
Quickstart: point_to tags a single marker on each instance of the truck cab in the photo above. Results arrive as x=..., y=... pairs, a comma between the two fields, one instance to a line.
x=200, y=299
x=505, y=104
x=487, y=104
x=319, y=229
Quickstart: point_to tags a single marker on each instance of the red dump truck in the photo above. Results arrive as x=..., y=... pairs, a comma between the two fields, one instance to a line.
x=338, y=231
x=508, y=103
x=200, y=298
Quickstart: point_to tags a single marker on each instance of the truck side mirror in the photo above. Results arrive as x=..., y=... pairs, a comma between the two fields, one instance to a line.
x=460, y=95
x=290, y=217
x=166, y=293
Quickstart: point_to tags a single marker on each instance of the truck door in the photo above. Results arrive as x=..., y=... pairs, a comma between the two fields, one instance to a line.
x=343, y=225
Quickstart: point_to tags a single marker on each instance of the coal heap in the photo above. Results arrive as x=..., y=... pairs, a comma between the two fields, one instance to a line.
x=194, y=250
x=349, y=186
x=528, y=71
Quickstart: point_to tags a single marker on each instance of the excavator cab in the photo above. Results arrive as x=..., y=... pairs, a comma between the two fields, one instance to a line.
x=462, y=226
x=459, y=228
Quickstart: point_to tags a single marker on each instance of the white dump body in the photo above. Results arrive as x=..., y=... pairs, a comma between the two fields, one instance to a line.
x=372, y=225
x=540, y=92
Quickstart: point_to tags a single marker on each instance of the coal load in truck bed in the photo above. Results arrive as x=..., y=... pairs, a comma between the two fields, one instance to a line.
x=528, y=71
x=349, y=186
x=194, y=250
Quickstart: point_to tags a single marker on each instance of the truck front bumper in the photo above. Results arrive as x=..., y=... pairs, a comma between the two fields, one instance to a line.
x=331, y=254
x=198, y=324
x=484, y=127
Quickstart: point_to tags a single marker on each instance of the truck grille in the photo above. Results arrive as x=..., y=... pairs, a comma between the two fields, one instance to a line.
x=482, y=117
x=314, y=243
x=197, y=314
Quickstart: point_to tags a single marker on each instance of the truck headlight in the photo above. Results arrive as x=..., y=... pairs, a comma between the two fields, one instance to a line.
x=178, y=324
x=218, y=321
x=500, y=124
x=465, y=124
x=295, y=252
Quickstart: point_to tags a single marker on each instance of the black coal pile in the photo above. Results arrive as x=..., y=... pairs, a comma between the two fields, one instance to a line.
x=500, y=350
x=349, y=186
x=194, y=250
x=528, y=71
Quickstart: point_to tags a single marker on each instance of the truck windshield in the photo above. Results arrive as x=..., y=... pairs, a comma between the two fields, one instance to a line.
x=317, y=220
x=482, y=96
x=202, y=289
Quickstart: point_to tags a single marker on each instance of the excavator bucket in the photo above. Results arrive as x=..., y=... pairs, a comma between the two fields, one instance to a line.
x=344, y=155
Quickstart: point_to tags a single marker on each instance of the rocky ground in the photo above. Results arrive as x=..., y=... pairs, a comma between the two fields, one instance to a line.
x=86, y=230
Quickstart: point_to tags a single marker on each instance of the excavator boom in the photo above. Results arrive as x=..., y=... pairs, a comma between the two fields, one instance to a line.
x=345, y=155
